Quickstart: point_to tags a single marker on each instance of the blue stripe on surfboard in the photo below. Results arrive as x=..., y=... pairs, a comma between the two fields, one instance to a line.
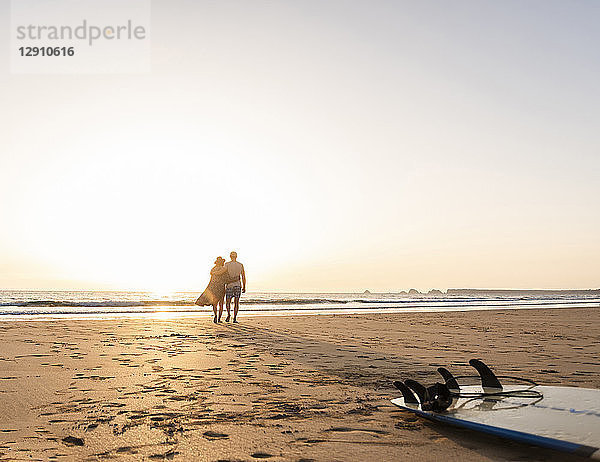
x=551, y=443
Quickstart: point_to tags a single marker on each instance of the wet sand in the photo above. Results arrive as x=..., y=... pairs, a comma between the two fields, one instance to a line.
x=271, y=388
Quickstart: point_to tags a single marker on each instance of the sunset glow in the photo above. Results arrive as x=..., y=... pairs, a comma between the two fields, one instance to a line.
x=351, y=152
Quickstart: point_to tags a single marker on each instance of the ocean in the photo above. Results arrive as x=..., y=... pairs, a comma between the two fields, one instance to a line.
x=44, y=304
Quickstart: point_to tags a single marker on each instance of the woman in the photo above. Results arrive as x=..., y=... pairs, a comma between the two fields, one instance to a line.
x=215, y=291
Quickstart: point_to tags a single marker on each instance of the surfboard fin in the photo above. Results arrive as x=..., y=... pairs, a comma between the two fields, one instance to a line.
x=451, y=382
x=419, y=389
x=488, y=378
x=409, y=397
x=436, y=398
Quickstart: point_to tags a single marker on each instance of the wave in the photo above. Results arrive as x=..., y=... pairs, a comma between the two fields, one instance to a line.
x=134, y=303
x=107, y=303
x=449, y=301
x=188, y=302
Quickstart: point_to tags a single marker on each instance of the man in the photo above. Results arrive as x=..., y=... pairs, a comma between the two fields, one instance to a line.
x=235, y=287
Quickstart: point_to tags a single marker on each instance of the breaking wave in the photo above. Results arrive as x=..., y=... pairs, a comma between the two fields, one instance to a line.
x=16, y=303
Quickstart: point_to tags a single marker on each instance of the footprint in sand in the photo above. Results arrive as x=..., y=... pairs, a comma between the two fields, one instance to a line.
x=169, y=455
x=408, y=426
x=366, y=430
x=73, y=441
x=215, y=435
x=261, y=455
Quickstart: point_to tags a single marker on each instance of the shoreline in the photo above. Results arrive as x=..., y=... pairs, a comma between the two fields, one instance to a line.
x=270, y=388
x=179, y=313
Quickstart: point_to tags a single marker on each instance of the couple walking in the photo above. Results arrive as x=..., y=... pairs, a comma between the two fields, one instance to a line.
x=224, y=282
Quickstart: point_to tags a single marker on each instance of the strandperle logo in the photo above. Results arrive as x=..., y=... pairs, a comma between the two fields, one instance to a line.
x=80, y=36
x=84, y=32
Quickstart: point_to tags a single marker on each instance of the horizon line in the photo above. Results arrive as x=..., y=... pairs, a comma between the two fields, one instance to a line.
x=357, y=291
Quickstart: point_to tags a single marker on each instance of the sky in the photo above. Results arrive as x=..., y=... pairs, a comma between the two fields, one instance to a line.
x=335, y=145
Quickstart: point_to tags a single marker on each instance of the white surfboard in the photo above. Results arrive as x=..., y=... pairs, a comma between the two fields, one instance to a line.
x=561, y=418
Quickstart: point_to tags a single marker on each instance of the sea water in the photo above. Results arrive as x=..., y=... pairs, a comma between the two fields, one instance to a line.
x=43, y=304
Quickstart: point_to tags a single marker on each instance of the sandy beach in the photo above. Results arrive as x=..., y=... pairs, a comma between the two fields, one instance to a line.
x=271, y=388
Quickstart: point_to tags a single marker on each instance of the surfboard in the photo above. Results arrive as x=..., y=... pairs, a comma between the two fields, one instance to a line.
x=561, y=418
